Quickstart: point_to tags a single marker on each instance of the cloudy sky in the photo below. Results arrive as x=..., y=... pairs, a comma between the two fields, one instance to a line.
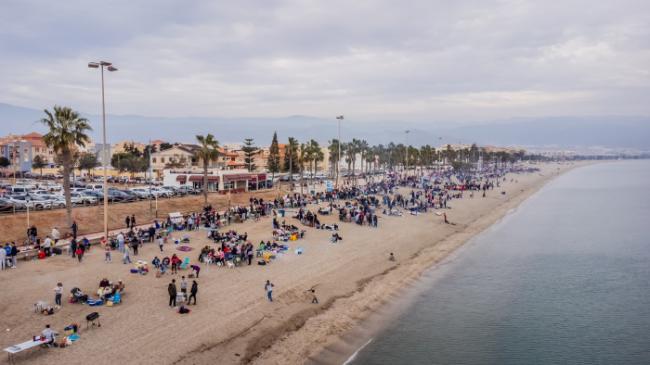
x=412, y=60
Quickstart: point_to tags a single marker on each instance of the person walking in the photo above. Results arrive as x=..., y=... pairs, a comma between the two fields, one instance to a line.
x=3, y=258
x=74, y=229
x=58, y=292
x=171, y=289
x=73, y=248
x=269, y=290
x=14, y=255
x=126, y=258
x=80, y=252
x=193, y=291
x=160, y=242
x=120, y=242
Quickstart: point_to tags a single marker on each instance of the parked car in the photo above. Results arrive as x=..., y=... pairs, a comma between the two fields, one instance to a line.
x=142, y=193
x=188, y=190
x=6, y=205
x=18, y=189
x=97, y=187
x=58, y=201
x=45, y=201
x=169, y=189
x=159, y=193
x=24, y=201
x=79, y=198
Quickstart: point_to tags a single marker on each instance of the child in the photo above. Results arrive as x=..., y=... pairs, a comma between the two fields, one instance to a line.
x=107, y=253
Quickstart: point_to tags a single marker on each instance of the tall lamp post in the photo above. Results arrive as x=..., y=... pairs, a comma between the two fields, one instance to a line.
x=109, y=67
x=338, y=161
x=406, y=140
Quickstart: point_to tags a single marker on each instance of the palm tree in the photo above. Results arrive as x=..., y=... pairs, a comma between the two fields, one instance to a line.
x=334, y=157
x=67, y=130
x=208, y=151
x=304, y=157
x=362, y=148
x=315, y=155
x=290, y=156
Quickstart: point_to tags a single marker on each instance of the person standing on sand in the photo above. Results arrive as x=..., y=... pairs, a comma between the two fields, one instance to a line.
x=120, y=242
x=127, y=257
x=269, y=290
x=107, y=253
x=56, y=235
x=132, y=221
x=160, y=242
x=184, y=286
x=58, y=292
x=193, y=291
x=74, y=229
x=14, y=255
x=73, y=248
x=80, y=252
x=127, y=220
x=3, y=258
x=171, y=289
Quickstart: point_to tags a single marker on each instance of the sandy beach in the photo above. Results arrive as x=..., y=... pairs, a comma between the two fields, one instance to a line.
x=233, y=322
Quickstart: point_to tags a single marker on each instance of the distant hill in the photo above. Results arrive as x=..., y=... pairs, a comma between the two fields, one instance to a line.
x=611, y=132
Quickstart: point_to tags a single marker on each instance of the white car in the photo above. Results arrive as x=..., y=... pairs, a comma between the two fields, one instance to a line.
x=25, y=200
x=77, y=198
x=159, y=193
x=142, y=193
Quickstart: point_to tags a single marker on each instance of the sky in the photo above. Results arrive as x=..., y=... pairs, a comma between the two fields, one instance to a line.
x=414, y=61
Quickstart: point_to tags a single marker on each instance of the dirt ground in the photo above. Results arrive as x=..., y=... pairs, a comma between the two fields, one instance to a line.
x=91, y=219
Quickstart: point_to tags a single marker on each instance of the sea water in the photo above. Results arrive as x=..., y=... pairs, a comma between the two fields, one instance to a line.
x=565, y=279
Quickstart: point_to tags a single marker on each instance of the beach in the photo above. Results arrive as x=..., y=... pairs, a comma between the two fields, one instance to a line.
x=233, y=322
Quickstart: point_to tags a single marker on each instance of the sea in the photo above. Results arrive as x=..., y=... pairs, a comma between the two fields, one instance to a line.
x=563, y=279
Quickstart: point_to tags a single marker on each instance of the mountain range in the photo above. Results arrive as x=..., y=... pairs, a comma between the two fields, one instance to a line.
x=624, y=132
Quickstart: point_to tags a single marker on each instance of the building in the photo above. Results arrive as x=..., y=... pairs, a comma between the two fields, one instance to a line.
x=180, y=156
x=218, y=179
x=21, y=150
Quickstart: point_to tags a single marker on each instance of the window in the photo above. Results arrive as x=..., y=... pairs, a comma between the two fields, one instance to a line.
x=162, y=160
x=153, y=160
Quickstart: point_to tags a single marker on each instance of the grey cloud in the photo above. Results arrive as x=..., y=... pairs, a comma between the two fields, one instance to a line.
x=415, y=60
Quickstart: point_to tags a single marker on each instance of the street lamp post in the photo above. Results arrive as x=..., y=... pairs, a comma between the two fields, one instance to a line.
x=109, y=66
x=338, y=161
x=406, y=140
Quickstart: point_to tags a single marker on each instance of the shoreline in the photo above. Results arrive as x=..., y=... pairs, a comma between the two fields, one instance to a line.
x=337, y=334
x=233, y=322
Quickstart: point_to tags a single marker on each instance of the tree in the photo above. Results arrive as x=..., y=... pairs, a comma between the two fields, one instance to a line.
x=66, y=130
x=273, y=162
x=334, y=147
x=37, y=163
x=250, y=151
x=208, y=152
x=362, y=149
x=165, y=146
x=291, y=157
x=304, y=157
x=87, y=161
x=129, y=162
x=315, y=155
